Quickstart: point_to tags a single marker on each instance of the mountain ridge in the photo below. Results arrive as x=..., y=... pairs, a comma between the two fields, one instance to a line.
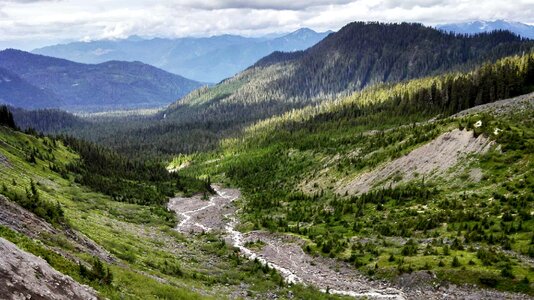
x=479, y=26
x=89, y=87
x=14, y=90
x=205, y=59
x=342, y=63
x=200, y=120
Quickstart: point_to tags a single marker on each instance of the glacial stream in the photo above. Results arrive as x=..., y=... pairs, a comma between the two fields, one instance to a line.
x=219, y=214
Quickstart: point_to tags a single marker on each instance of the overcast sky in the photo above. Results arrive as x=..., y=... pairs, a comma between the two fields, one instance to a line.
x=27, y=24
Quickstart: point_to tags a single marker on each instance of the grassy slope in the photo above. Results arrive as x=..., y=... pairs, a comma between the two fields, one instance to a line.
x=448, y=217
x=142, y=240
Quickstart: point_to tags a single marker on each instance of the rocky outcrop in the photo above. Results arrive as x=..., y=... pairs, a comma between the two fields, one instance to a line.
x=19, y=219
x=4, y=162
x=26, y=276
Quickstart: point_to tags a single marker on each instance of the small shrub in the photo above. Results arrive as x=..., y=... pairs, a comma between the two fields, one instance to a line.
x=410, y=248
x=489, y=281
x=455, y=262
x=98, y=272
x=446, y=250
x=507, y=271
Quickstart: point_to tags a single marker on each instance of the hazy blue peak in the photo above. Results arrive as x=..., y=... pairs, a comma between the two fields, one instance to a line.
x=204, y=59
x=303, y=30
x=480, y=26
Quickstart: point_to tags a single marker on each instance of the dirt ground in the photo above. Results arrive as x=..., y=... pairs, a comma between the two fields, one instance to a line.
x=502, y=106
x=324, y=273
x=4, y=162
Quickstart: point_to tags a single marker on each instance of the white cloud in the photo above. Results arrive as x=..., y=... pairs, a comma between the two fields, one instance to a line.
x=33, y=23
x=261, y=4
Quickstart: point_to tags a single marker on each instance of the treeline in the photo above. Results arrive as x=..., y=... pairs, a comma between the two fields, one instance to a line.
x=46, y=120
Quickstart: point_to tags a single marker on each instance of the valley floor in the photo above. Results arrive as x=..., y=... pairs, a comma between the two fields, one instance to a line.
x=284, y=252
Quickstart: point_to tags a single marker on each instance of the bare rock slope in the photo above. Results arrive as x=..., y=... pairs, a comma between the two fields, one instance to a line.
x=433, y=158
x=519, y=103
x=26, y=276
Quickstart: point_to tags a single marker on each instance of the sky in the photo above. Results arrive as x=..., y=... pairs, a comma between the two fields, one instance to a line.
x=27, y=24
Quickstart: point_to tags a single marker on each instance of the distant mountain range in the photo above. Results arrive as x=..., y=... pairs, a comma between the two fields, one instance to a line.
x=520, y=29
x=35, y=81
x=209, y=59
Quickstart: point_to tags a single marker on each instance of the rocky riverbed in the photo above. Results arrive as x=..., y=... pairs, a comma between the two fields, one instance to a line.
x=284, y=253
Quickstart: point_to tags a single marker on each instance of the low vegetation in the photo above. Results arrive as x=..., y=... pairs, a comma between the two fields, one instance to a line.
x=466, y=230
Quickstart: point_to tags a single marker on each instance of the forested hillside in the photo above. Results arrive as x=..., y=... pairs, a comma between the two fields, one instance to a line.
x=363, y=54
x=58, y=83
x=47, y=120
x=360, y=54
x=387, y=181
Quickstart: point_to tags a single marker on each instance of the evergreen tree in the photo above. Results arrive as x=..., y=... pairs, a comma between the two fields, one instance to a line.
x=6, y=117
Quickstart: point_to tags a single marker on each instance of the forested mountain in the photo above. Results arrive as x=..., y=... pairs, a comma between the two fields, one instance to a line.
x=16, y=91
x=359, y=55
x=74, y=86
x=345, y=61
x=363, y=54
x=209, y=59
x=521, y=29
